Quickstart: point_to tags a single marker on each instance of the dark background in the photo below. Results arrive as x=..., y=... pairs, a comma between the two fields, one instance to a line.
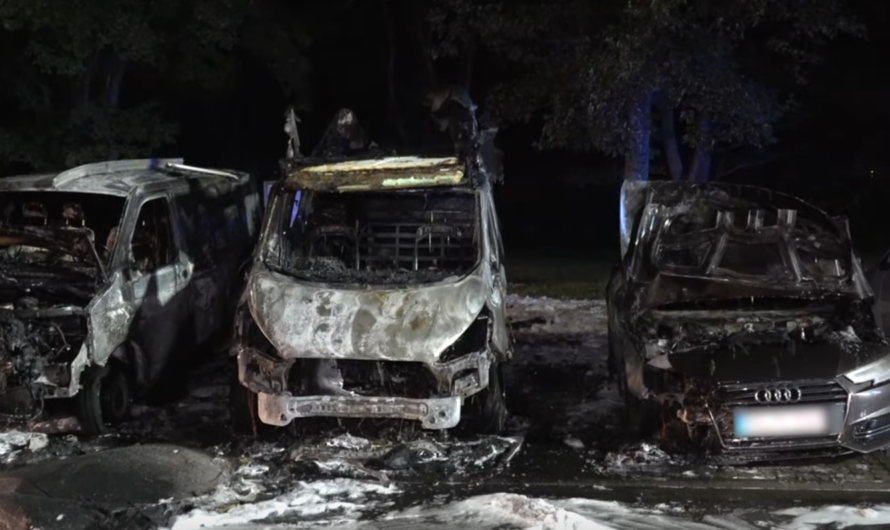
x=833, y=150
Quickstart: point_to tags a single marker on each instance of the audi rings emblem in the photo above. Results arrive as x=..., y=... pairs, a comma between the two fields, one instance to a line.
x=778, y=394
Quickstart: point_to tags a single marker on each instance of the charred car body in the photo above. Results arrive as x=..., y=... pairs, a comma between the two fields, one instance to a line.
x=743, y=316
x=109, y=274
x=378, y=292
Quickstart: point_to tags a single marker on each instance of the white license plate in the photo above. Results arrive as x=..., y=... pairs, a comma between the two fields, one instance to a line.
x=788, y=421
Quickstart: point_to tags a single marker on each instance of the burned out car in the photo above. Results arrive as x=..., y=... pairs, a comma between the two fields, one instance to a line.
x=378, y=291
x=742, y=317
x=111, y=274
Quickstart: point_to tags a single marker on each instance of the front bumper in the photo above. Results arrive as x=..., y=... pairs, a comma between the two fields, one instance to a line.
x=866, y=426
x=435, y=413
x=269, y=378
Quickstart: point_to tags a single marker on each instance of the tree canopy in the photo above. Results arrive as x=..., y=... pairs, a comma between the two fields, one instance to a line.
x=75, y=70
x=603, y=73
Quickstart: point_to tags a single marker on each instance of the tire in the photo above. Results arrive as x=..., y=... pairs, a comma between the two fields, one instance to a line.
x=104, y=399
x=640, y=416
x=243, y=413
x=486, y=411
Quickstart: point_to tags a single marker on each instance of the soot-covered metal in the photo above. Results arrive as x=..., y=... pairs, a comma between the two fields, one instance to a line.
x=48, y=275
x=94, y=261
x=378, y=291
x=740, y=318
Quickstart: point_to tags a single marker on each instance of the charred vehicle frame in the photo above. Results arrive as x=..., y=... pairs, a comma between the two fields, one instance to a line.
x=378, y=291
x=111, y=275
x=741, y=317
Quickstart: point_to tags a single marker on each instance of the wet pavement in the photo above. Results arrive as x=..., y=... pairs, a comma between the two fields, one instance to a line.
x=78, y=492
x=177, y=466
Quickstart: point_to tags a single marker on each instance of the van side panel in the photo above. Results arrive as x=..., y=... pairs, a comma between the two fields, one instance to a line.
x=220, y=228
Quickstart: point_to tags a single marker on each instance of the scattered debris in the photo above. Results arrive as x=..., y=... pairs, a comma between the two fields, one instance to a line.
x=11, y=443
x=340, y=499
x=642, y=454
x=575, y=443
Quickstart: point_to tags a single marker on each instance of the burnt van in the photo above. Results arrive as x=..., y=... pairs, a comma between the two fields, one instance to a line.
x=113, y=274
x=377, y=291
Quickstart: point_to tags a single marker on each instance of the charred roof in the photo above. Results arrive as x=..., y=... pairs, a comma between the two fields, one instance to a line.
x=119, y=178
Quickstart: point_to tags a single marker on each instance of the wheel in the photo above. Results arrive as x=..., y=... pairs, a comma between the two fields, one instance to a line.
x=245, y=420
x=486, y=411
x=104, y=399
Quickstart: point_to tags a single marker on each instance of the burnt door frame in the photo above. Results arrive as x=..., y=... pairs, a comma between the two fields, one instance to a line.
x=159, y=297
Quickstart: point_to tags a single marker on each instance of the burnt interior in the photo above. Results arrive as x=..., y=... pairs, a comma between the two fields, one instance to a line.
x=714, y=240
x=152, y=244
x=390, y=237
x=100, y=214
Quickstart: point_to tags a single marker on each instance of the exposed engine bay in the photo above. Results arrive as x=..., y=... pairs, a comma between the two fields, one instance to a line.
x=49, y=271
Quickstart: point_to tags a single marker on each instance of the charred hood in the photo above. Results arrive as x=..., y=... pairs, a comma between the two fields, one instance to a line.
x=311, y=320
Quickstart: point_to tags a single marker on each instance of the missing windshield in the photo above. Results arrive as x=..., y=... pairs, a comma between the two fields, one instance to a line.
x=747, y=243
x=54, y=228
x=375, y=237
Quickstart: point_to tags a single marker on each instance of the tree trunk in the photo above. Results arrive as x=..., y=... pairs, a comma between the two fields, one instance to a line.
x=636, y=158
x=429, y=68
x=115, y=78
x=700, y=169
x=395, y=115
x=669, y=140
x=84, y=84
x=467, y=70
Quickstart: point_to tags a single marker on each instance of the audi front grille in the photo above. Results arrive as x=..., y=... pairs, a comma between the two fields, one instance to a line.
x=729, y=396
x=783, y=393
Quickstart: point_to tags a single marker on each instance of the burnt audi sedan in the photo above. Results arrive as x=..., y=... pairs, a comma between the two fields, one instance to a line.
x=740, y=317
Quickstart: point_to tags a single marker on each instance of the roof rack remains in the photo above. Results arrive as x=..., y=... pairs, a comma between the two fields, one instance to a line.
x=378, y=173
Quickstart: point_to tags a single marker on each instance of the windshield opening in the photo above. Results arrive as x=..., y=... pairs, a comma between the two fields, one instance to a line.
x=755, y=245
x=89, y=216
x=392, y=237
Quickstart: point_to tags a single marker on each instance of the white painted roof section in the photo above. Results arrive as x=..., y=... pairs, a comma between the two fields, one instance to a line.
x=104, y=168
x=383, y=164
x=118, y=177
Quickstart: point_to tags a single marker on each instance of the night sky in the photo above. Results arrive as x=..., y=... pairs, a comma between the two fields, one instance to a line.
x=833, y=150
